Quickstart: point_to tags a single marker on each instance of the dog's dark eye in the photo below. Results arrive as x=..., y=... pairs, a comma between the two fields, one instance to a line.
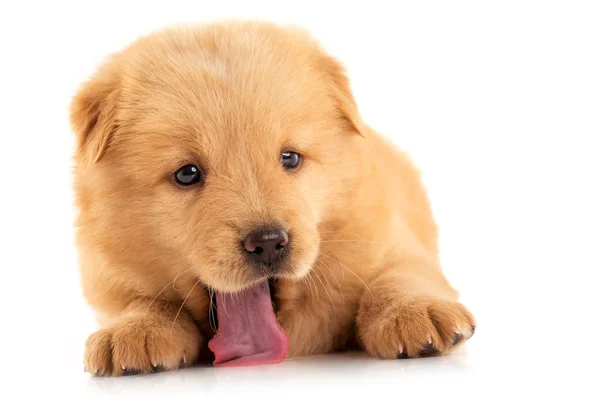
x=290, y=160
x=188, y=175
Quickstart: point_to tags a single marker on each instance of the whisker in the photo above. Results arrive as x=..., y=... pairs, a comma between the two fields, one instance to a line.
x=225, y=309
x=236, y=302
x=306, y=279
x=359, y=241
x=212, y=309
x=349, y=270
x=325, y=289
x=335, y=231
x=181, y=272
x=315, y=284
x=325, y=266
x=305, y=282
x=182, y=304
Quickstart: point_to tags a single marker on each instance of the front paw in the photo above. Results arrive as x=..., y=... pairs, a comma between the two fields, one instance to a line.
x=411, y=328
x=141, y=345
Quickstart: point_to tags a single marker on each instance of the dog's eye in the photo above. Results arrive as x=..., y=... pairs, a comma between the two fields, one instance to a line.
x=290, y=160
x=188, y=175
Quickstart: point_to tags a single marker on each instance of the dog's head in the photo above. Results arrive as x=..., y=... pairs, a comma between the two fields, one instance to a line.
x=217, y=148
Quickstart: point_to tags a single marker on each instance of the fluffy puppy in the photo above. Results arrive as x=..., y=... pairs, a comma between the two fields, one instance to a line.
x=226, y=182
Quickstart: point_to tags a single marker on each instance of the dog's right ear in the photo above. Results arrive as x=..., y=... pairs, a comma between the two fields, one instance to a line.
x=93, y=114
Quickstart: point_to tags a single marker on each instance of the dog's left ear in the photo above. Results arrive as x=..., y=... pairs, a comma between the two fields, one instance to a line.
x=93, y=113
x=342, y=94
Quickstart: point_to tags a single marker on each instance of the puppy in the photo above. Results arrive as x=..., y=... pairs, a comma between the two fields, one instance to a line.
x=234, y=207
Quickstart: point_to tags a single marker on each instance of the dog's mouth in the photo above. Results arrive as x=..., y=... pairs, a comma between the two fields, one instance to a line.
x=247, y=328
x=212, y=312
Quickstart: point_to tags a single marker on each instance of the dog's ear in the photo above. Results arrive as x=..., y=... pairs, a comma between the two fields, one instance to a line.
x=342, y=94
x=93, y=113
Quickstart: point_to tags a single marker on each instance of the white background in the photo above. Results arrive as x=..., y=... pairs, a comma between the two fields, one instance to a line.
x=497, y=102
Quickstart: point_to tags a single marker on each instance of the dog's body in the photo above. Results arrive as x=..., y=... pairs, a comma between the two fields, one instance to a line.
x=361, y=268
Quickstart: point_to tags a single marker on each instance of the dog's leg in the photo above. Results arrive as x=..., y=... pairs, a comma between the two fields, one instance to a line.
x=411, y=311
x=147, y=336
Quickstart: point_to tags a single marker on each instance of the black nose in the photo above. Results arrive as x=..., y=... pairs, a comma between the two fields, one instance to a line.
x=266, y=245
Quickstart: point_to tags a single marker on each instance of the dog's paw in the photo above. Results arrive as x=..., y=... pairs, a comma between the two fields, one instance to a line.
x=416, y=328
x=139, y=345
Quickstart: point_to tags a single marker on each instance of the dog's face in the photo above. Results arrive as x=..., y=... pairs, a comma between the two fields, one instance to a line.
x=215, y=149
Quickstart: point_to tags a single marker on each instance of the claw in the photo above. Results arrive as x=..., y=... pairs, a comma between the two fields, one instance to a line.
x=157, y=369
x=131, y=371
x=427, y=350
x=457, y=338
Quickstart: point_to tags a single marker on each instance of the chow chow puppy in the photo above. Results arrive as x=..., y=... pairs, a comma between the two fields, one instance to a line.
x=234, y=207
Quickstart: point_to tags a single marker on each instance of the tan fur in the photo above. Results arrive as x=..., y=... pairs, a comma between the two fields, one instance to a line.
x=231, y=97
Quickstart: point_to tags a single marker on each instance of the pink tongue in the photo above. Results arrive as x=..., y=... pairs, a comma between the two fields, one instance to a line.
x=248, y=330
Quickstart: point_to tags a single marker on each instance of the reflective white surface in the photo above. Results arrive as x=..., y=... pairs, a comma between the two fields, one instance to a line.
x=492, y=365
x=456, y=376
x=291, y=376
